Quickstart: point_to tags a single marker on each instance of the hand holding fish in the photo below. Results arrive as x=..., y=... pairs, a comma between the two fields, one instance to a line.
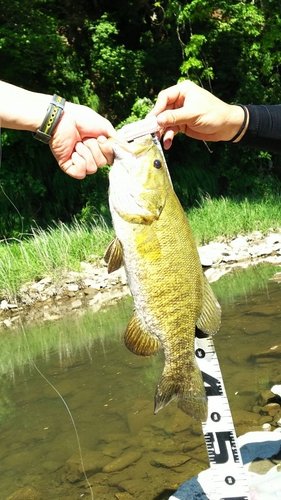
x=197, y=113
x=73, y=131
x=74, y=143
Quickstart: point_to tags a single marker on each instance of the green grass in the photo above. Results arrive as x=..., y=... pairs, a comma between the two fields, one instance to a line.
x=61, y=248
x=226, y=218
x=52, y=252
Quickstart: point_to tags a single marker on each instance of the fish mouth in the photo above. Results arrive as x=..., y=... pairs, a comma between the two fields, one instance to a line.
x=137, y=147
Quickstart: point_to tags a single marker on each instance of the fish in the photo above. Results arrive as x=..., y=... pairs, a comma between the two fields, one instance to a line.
x=172, y=296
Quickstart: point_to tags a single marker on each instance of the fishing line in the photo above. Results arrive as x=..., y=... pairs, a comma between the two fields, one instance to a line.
x=27, y=347
x=2, y=189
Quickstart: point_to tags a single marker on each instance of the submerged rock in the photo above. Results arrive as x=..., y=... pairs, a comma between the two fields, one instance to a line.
x=26, y=493
x=169, y=461
x=125, y=460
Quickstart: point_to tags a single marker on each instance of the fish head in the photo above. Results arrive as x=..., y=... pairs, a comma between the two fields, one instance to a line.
x=139, y=180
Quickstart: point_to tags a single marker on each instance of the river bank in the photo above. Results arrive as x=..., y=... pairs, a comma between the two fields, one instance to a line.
x=46, y=300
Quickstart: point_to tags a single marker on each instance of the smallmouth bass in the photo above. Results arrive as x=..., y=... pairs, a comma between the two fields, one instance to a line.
x=171, y=294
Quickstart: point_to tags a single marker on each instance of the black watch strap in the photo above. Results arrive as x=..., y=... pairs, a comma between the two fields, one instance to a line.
x=54, y=113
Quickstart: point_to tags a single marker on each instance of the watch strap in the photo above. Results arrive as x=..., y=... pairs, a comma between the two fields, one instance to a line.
x=53, y=115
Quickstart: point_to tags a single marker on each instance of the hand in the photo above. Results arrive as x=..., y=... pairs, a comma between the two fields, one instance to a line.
x=75, y=145
x=197, y=113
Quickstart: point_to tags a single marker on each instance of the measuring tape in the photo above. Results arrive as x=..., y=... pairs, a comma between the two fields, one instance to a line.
x=229, y=479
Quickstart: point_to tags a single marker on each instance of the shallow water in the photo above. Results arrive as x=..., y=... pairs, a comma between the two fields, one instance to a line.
x=126, y=449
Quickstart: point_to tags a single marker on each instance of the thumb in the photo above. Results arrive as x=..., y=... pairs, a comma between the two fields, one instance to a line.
x=173, y=117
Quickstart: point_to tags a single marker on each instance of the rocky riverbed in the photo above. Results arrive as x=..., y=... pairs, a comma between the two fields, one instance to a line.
x=92, y=287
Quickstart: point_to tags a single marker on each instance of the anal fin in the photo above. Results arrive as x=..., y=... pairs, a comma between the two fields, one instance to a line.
x=138, y=340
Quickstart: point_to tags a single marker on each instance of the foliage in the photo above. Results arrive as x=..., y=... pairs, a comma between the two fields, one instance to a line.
x=116, y=57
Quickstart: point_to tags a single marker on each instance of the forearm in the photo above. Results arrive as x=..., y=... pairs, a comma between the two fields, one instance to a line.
x=264, y=128
x=21, y=109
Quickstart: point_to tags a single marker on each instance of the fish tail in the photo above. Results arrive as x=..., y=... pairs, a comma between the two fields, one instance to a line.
x=188, y=388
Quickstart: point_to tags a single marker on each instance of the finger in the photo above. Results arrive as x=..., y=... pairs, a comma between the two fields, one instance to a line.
x=173, y=117
x=106, y=149
x=75, y=166
x=165, y=100
x=168, y=137
x=90, y=152
x=97, y=152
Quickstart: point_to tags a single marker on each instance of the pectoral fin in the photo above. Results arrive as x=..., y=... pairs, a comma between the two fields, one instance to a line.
x=114, y=255
x=210, y=317
x=147, y=244
x=139, y=340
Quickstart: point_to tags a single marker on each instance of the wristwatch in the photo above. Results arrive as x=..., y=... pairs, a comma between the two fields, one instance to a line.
x=53, y=115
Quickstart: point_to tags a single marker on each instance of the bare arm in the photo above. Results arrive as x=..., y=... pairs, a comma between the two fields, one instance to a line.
x=74, y=142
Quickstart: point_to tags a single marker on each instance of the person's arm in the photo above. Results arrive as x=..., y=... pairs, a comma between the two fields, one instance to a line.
x=73, y=140
x=194, y=111
x=264, y=128
x=197, y=113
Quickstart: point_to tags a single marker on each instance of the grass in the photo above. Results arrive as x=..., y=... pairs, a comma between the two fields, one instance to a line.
x=52, y=253
x=226, y=218
x=61, y=248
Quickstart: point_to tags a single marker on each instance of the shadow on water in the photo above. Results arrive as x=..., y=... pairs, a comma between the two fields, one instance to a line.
x=128, y=452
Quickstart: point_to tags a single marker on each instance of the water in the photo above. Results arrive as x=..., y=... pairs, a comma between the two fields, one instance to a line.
x=128, y=452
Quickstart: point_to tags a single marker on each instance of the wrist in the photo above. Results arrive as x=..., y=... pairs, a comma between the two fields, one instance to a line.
x=237, y=123
x=52, y=117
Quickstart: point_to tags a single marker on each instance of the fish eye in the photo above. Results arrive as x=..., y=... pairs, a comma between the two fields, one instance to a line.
x=157, y=164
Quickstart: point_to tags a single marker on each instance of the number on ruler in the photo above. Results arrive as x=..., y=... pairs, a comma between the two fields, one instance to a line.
x=213, y=387
x=221, y=439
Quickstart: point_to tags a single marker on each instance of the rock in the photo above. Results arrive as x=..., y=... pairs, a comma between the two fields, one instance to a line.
x=4, y=305
x=213, y=274
x=271, y=409
x=242, y=417
x=239, y=243
x=125, y=460
x=8, y=323
x=87, y=267
x=276, y=277
x=265, y=397
x=91, y=283
x=123, y=496
x=272, y=352
x=73, y=288
x=264, y=420
x=93, y=462
x=26, y=493
x=272, y=239
x=212, y=253
x=112, y=450
x=75, y=304
x=169, y=461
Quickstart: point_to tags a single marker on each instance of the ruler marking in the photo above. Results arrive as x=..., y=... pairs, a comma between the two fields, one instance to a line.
x=219, y=432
